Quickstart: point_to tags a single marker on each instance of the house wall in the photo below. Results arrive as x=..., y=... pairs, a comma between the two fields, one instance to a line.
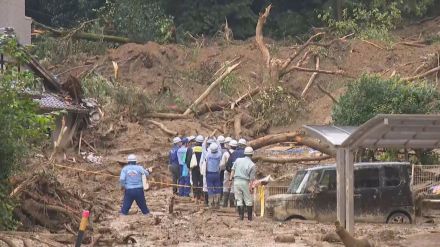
x=12, y=14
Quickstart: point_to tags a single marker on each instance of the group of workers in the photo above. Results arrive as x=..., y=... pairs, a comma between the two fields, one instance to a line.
x=217, y=169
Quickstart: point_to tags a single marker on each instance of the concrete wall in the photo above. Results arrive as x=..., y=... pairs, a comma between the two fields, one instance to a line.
x=12, y=14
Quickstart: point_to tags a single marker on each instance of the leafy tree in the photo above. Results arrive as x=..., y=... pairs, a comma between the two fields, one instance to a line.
x=23, y=128
x=371, y=95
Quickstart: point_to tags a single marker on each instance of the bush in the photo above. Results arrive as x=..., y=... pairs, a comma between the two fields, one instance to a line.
x=368, y=22
x=139, y=20
x=371, y=95
x=23, y=128
x=276, y=106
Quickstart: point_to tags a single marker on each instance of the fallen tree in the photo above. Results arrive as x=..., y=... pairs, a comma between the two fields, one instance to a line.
x=84, y=35
x=284, y=160
x=296, y=137
x=163, y=128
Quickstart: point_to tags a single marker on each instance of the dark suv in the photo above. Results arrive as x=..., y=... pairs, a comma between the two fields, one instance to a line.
x=382, y=194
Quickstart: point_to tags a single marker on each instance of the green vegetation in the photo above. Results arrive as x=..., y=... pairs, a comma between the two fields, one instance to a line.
x=23, y=128
x=276, y=105
x=170, y=20
x=371, y=95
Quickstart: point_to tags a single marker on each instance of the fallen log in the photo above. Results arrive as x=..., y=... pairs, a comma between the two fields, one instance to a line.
x=273, y=139
x=284, y=160
x=167, y=115
x=312, y=78
x=164, y=128
x=210, y=88
x=296, y=137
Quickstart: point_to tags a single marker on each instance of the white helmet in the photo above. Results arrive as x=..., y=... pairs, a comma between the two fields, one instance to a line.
x=242, y=142
x=248, y=151
x=221, y=139
x=228, y=139
x=191, y=138
x=233, y=143
x=176, y=140
x=210, y=141
x=200, y=139
x=213, y=147
x=131, y=158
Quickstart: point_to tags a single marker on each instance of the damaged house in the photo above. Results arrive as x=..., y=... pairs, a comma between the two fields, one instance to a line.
x=78, y=113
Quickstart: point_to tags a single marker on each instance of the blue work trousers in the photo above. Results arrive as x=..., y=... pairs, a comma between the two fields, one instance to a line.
x=186, y=189
x=137, y=195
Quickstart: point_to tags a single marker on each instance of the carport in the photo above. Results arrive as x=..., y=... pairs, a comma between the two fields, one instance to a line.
x=383, y=131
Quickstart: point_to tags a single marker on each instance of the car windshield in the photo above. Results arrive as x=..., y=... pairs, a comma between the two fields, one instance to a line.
x=296, y=182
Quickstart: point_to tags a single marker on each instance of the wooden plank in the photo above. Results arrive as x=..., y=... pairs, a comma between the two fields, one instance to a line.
x=349, y=187
x=340, y=185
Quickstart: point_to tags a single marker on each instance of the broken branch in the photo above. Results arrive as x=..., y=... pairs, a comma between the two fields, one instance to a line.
x=259, y=35
x=312, y=78
x=338, y=72
x=327, y=93
x=163, y=127
x=237, y=125
x=296, y=54
x=432, y=71
x=210, y=88
x=243, y=97
x=167, y=115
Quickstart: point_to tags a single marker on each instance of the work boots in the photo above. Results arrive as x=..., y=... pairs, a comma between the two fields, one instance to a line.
x=231, y=200
x=206, y=199
x=249, y=212
x=225, y=199
x=241, y=212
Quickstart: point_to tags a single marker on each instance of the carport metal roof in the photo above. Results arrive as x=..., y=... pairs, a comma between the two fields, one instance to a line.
x=382, y=131
x=385, y=131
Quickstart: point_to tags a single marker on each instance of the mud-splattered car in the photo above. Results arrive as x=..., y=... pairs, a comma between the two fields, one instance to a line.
x=382, y=194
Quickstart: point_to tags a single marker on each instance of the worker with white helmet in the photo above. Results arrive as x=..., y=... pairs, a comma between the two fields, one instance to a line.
x=131, y=182
x=238, y=153
x=194, y=160
x=243, y=174
x=228, y=191
x=173, y=164
x=213, y=182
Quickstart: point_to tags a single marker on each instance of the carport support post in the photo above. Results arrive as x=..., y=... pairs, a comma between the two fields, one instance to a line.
x=340, y=185
x=349, y=185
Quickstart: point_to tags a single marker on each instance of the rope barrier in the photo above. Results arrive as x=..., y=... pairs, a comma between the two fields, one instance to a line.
x=149, y=181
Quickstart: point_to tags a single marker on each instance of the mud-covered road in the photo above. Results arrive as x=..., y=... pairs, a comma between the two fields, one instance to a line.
x=195, y=225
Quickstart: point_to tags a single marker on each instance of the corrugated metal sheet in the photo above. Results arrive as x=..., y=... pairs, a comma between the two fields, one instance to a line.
x=384, y=130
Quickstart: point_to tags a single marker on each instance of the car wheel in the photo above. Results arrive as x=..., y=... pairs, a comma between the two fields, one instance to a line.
x=399, y=218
